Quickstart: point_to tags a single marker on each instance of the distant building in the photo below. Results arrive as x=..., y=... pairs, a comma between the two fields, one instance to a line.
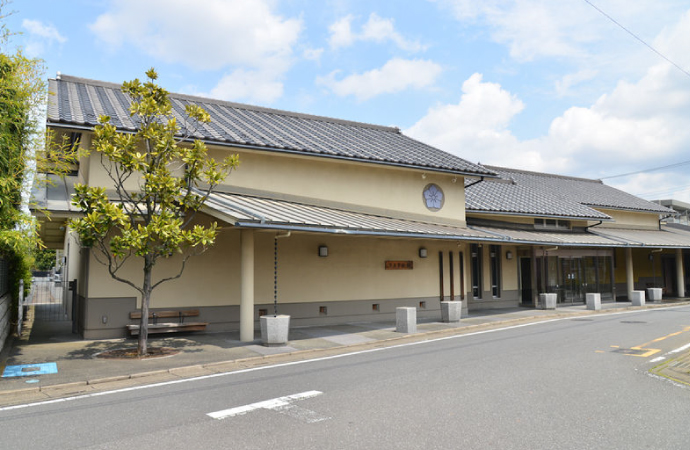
x=682, y=211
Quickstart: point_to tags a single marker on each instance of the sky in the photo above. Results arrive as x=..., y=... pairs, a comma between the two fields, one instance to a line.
x=587, y=88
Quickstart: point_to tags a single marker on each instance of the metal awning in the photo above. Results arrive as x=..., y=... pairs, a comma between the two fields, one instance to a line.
x=560, y=238
x=263, y=213
x=663, y=238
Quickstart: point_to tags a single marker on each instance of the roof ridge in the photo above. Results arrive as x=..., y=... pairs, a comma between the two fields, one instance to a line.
x=201, y=99
x=544, y=174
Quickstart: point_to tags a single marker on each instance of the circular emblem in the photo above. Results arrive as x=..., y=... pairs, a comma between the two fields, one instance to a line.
x=433, y=197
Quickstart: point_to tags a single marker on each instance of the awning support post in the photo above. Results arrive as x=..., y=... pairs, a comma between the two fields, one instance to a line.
x=247, y=286
x=680, y=272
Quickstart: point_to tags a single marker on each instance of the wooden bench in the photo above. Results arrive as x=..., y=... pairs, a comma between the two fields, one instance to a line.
x=168, y=327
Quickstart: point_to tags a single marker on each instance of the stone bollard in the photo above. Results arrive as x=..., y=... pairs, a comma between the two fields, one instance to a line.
x=654, y=294
x=451, y=312
x=547, y=301
x=594, y=302
x=406, y=319
x=637, y=298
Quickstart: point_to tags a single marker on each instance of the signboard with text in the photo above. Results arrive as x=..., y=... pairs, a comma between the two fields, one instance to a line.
x=398, y=265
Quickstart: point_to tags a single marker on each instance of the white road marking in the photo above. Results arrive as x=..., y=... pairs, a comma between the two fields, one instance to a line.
x=678, y=350
x=305, y=361
x=282, y=405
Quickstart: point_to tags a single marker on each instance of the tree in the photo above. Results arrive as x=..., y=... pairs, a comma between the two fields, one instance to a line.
x=159, y=181
x=22, y=92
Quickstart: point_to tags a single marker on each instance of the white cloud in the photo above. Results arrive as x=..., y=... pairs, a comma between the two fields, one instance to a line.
x=395, y=76
x=312, y=54
x=377, y=29
x=244, y=85
x=206, y=35
x=38, y=28
x=40, y=37
x=210, y=34
x=574, y=32
x=475, y=128
x=637, y=125
x=565, y=85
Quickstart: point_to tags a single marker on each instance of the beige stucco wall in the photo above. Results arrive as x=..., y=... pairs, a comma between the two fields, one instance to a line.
x=365, y=187
x=358, y=185
x=627, y=219
x=353, y=270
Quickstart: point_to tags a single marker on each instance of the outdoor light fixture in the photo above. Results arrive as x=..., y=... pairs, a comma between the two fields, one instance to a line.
x=509, y=255
x=323, y=251
x=422, y=252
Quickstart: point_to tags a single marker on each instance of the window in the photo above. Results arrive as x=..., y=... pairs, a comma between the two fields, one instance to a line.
x=495, y=251
x=476, y=255
x=552, y=224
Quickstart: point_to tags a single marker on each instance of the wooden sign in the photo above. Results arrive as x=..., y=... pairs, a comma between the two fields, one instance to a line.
x=398, y=265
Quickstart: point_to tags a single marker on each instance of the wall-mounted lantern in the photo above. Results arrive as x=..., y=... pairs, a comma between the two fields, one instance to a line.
x=422, y=252
x=509, y=255
x=323, y=251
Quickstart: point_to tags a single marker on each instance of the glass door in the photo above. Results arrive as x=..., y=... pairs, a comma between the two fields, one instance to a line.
x=573, y=281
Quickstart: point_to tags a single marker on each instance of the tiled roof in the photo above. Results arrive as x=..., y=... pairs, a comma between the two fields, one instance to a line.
x=512, y=198
x=546, y=195
x=257, y=212
x=585, y=191
x=78, y=102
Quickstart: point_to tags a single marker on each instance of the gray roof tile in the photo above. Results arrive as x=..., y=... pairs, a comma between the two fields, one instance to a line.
x=548, y=195
x=79, y=102
x=585, y=191
x=513, y=198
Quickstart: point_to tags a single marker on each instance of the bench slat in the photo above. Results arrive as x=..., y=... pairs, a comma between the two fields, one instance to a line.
x=166, y=314
x=169, y=327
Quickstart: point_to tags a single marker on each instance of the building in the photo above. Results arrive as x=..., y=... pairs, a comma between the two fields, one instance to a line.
x=354, y=220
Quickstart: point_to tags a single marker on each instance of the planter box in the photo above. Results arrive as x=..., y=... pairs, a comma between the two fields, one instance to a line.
x=274, y=330
x=451, y=312
x=547, y=301
x=594, y=302
x=654, y=294
x=637, y=298
x=406, y=319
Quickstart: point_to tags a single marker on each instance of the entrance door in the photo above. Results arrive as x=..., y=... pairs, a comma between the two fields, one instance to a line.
x=526, y=281
x=573, y=285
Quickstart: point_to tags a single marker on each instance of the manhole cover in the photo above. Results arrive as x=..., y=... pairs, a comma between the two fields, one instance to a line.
x=631, y=351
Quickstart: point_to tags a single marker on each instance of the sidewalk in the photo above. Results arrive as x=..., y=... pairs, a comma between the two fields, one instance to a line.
x=80, y=370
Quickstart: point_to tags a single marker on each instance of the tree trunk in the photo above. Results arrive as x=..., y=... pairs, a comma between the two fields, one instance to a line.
x=142, y=347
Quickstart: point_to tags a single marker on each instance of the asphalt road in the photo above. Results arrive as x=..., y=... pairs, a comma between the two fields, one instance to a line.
x=579, y=383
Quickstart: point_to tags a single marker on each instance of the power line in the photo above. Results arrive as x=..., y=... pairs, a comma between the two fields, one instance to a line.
x=682, y=163
x=638, y=38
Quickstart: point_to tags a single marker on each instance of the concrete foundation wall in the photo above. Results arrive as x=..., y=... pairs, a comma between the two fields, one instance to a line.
x=509, y=299
x=226, y=318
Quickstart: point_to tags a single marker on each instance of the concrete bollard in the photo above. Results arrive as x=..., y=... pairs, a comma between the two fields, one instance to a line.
x=654, y=294
x=594, y=302
x=406, y=319
x=547, y=301
x=637, y=298
x=451, y=312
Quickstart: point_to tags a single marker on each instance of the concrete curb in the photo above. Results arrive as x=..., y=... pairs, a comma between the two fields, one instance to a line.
x=18, y=396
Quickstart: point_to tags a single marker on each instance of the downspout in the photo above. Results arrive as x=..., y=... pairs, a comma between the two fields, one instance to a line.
x=476, y=182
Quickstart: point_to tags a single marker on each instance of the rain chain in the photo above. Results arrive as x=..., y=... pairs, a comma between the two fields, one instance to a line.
x=275, y=276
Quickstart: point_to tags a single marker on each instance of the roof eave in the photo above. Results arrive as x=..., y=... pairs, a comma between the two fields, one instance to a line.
x=451, y=171
x=537, y=215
